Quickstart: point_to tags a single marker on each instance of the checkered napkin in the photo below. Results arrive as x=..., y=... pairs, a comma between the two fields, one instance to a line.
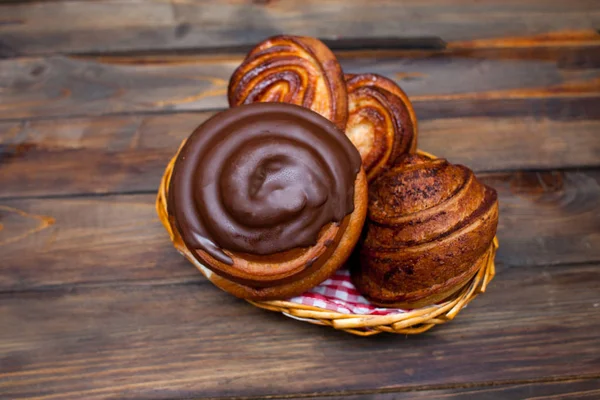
x=339, y=294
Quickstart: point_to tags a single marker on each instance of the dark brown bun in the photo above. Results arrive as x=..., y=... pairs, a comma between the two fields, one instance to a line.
x=430, y=224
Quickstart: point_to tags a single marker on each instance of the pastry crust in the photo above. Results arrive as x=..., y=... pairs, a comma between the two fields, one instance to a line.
x=381, y=121
x=292, y=69
x=335, y=244
x=430, y=226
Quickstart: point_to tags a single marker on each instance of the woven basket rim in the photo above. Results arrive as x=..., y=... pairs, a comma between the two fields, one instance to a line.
x=410, y=322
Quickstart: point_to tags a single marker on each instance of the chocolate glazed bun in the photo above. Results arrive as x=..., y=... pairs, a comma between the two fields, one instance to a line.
x=430, y=226
x=269, y=198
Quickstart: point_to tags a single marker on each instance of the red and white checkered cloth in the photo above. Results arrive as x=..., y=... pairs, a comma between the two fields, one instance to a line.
x=339, y=294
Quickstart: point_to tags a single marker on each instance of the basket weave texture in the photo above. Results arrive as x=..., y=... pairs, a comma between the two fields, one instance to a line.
x=409, y=322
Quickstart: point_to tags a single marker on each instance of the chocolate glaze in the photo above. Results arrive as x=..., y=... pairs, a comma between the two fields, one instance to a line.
x=261, y=179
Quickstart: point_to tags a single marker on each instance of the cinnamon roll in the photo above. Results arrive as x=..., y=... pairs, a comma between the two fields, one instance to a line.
x=292, y=69
x=381, y=121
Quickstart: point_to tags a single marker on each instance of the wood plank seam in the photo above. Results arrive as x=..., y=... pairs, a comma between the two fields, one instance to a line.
x=341, y=47
x=198, y=280
x=141, y=113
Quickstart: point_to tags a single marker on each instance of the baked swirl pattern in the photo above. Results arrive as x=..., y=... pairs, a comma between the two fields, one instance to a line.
x=292, y=69
x=430, y=223
x=264, y=194
x=381, y=121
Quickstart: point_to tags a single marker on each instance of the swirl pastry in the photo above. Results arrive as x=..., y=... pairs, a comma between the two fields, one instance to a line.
x=269, y=199
x=430, y=226
x=292, y=69
x=381, y=121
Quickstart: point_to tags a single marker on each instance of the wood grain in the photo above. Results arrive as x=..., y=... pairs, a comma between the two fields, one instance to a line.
x=545, y=218
x=191, y=341
x=90, y=240
x=450, y=83
x=111, y=154
x=116, y=154
x=118, y=25
x=571, y=389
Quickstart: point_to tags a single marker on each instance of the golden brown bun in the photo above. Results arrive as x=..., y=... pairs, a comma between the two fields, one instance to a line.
x=429, y=228
x=292, y=69
x=282, y=275
x=381, y=121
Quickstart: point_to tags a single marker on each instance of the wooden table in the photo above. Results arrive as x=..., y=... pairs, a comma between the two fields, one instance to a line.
x=95, y=97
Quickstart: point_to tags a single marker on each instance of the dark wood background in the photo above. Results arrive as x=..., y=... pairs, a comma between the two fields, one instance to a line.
x=95, y=97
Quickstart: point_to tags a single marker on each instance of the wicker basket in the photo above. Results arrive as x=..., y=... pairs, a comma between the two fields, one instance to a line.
x=410, y=322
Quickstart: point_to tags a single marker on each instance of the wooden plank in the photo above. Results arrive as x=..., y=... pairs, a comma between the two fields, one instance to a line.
x=111, y=25
x=194, y=341
x=571, y=389
x=115, y=154
x=545, y=218
x=446, y=83
x=98, y=155
x=85, y=240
